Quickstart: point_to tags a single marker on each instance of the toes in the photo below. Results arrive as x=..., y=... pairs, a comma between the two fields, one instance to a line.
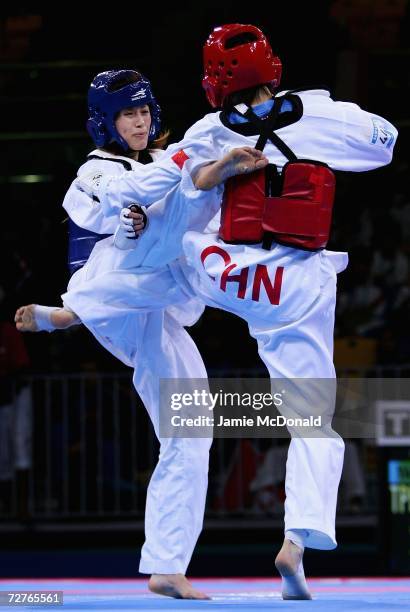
x=19, y=313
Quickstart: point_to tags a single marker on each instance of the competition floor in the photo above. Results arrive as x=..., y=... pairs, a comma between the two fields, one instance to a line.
x=250, y=594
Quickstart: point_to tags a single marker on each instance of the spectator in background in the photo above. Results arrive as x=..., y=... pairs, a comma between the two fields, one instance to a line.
x=361, y=305
x=390, y=266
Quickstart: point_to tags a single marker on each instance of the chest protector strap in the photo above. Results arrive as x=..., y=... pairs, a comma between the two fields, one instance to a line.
x=294, y=208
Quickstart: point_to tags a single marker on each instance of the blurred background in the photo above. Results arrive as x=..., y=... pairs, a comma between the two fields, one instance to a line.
x=76, y=448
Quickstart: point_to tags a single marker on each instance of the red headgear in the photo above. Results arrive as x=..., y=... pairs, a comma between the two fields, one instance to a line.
x=231, y=65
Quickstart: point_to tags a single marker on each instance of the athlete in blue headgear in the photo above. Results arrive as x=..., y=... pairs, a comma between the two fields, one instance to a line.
x=124, y=123
x=109, y=95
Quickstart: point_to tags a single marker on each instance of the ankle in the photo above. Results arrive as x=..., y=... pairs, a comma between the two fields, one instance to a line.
x=295, y=536
x=62, y=318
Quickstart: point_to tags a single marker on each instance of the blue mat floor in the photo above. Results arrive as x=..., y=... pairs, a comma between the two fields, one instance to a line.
x=242, y=594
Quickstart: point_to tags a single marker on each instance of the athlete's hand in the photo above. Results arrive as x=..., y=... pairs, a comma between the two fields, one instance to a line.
x=133, y=220
x=242, y=160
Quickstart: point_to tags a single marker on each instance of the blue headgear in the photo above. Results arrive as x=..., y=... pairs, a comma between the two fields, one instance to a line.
x=105, y=101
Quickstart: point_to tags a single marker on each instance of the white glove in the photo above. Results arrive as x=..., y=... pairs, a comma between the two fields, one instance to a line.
x=89, y=183
x=127, y=224
x=126, y=235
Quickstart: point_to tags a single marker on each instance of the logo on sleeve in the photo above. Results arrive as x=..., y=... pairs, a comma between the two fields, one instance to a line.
x=381, y=136
x=180, y=158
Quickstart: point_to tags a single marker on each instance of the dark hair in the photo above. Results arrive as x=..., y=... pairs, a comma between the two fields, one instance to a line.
x=122, y=81
x=244, y=96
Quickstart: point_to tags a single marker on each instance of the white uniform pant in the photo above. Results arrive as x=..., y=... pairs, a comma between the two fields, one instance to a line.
x=177, y=491
x=136, y=307
x=295, y=341
x=301, y=349
x=156, y=345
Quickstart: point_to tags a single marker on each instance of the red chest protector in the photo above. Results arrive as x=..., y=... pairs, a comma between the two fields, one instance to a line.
x=294, y=208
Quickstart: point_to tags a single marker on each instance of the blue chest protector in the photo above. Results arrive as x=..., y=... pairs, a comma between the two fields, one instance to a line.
x=82, y=241
x=80, y=244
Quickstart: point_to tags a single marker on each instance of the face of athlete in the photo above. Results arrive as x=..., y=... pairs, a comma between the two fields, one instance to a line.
x=134, y=124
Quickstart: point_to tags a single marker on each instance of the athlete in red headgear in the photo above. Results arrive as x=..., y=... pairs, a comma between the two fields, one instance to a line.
x=230, y=67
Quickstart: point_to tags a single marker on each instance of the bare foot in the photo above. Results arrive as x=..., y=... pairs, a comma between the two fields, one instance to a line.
x=174, y=585
x=25, y=319
x=289, y=564
x=34, y=318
